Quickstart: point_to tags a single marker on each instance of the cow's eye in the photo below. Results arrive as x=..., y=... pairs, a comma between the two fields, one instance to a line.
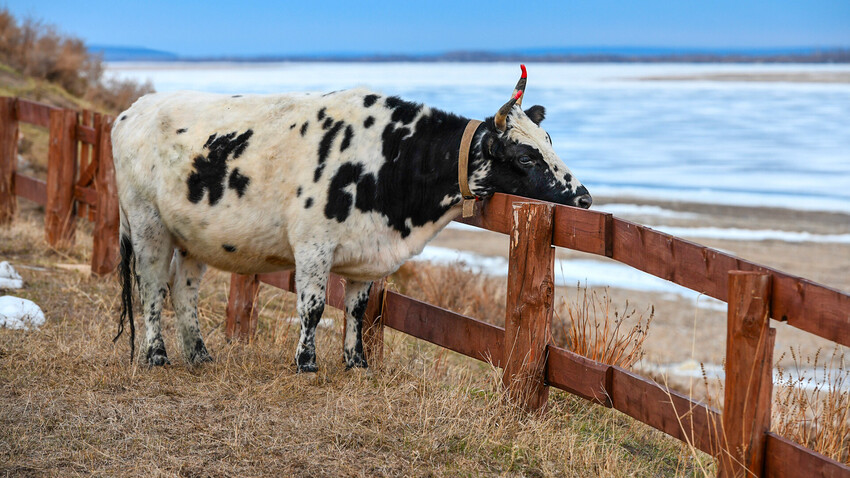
x=525, y=160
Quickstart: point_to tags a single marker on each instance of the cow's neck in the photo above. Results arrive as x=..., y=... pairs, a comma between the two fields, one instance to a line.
x=422, y=171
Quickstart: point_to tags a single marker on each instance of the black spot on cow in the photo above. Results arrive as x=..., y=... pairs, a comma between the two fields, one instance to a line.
x=339, y=200
x=228, y=247
x=182, y=130
x=211, y=170
x=325, y=148
x=369, y=100
x=236, y=96
x=403, y=111
x=391, y=140
x=308, y=203
x=123, y=118
x=328, y=122
x=304, y=128
x=238, y=182
x=321, y=114
x=369, y=122
x=293, y=125
x=346, y=139
x=298, y=192
x=414, y=178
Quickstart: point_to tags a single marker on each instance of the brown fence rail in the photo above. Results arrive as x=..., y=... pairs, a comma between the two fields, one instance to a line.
x=80, y=183
x=80, y=177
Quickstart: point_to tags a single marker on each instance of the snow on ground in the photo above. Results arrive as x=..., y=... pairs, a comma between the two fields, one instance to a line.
x=569, y=272
x=623, y=209
x=17, y=313
x=736, y=234
x=9, y=277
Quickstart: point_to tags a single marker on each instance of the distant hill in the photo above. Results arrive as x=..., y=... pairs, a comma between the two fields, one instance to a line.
x=565, y=55
x=129, y=53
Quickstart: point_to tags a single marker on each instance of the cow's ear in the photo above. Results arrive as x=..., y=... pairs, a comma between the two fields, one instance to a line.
x=536, y=114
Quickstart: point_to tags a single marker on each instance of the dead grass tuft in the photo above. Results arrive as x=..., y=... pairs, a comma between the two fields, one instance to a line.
x=811, y=403
x=596, y=328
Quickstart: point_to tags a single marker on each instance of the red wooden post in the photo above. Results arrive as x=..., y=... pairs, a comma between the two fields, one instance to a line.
x=8, y=159
x=59, y=217
x=373, y=325
x=105, y=242
x=242, y=309
x=749, y=375
x=529, y=304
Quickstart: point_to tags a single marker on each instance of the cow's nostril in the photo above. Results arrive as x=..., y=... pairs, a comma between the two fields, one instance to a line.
x=585, y=201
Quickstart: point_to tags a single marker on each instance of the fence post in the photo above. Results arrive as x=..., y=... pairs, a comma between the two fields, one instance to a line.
x=241, y=307
x=373, y=325
x=529, y=304
x=749, y=375
x=105, y=242
x=8, y=159
x=59, y=217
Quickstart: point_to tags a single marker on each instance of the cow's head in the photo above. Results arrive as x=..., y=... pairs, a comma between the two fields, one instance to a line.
x=518, y=157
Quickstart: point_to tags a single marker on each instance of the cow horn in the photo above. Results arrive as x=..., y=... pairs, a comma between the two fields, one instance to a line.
x=516, y=98
x=520, y=85
x=501, y=119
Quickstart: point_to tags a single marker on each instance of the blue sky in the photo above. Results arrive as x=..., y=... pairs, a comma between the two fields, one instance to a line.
x=215, y=27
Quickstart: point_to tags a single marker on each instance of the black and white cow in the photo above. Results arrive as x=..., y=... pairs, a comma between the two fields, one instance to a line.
x=351, y=182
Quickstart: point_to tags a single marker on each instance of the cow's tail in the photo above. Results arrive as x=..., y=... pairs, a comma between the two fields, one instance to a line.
x=126, y=273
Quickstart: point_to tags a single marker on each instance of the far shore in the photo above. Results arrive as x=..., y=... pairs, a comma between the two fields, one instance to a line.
x=772, y=77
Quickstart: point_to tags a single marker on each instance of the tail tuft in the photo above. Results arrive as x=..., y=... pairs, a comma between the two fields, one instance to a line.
x=125, y=273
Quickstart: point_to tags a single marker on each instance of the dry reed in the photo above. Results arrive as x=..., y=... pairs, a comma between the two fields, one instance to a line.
x=596, y=328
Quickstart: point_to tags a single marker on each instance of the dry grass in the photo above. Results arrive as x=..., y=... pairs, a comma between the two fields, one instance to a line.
x=815, y=410
x=596, y=329
x=70, y=404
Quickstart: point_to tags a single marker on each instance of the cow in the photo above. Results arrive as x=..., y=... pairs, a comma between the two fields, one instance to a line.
x=352, y=182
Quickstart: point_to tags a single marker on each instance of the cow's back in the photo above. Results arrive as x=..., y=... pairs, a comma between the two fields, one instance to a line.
x=239, y=179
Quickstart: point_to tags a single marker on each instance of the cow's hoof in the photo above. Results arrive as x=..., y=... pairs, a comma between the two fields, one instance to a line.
x=199, y=359
x=306, y=362
x=355, y=361
x=158, y=359
x=199, y=354
x=156, y=356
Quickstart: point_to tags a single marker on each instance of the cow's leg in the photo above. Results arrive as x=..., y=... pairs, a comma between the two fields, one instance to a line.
x=312, y=269
x=356, y=298
x=153, y=249
x=186, y=273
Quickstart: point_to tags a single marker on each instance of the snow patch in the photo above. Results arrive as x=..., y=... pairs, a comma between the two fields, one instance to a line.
x=623, y=209
x=9, y=277
x=736, y=234
x=17, y=313
x=569, y=272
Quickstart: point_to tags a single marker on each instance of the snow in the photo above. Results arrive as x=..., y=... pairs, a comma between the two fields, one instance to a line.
x=9, y=277
x=622, y=209
x=569, y=272
x=736, y=234
x=17, y=313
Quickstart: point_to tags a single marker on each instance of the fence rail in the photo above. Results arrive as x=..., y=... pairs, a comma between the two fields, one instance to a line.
x=80, y=183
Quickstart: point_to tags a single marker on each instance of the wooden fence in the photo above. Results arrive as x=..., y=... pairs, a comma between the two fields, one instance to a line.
x=739, y=437
x=80, y=183
x=80, y=176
